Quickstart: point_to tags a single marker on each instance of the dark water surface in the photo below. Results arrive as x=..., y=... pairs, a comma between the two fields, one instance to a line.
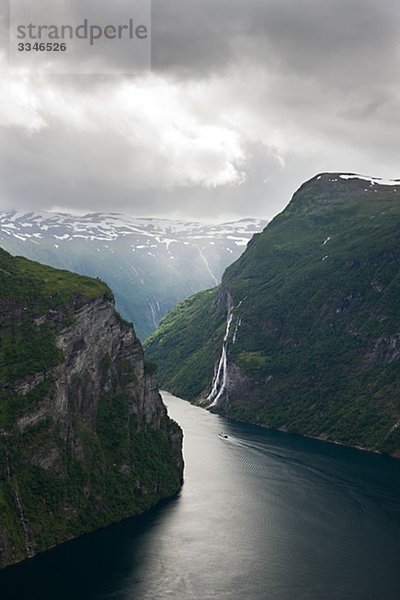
x=263, y=515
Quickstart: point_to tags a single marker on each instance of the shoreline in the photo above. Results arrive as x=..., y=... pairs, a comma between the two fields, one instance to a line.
x=281, y=430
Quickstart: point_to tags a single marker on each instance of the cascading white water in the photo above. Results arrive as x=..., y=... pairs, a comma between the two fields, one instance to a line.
x=238, y=324
x=220, y=374
x=153, y=314
x=219, y=381
x=21, y=515
x=205, y=261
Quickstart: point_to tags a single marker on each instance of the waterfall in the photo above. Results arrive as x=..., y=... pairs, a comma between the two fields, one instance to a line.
x=21, y=515
x=219, y=381
x=153, y=314
x=205, y=261
x=22, y=520
x=238, y=324
x=221, y=373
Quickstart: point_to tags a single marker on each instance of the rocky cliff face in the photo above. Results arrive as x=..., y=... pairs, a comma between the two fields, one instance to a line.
x=85, y=439
x=303, y=334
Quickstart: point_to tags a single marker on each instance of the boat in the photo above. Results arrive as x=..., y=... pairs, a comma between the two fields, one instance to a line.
x=223, y=435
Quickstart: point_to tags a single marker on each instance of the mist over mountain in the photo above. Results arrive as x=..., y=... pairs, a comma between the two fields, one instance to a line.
x=150, y=264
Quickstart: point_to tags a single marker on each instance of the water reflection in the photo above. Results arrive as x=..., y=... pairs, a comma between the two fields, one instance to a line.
x=262, y=515
x=100, y=565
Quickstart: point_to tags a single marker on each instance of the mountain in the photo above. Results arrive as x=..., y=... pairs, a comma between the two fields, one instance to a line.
x=85, y=439
x=150, y=264
x=303, y=334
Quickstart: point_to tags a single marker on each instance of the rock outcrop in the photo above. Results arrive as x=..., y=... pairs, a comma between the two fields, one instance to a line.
x=85, y=439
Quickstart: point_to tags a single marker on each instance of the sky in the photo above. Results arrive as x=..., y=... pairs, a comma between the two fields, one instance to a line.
x=245, y=100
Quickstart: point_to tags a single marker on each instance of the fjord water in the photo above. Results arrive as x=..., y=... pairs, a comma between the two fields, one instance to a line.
x=263, y=515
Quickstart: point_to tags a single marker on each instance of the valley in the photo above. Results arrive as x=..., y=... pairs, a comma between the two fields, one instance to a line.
x=303, y=332
x=150, y=264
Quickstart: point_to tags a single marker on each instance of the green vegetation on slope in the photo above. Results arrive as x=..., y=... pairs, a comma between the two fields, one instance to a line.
x=185, y=360
x=28, y=344
x=24, y=280
x=62, y=475
x=85, y=494
x=318, y=347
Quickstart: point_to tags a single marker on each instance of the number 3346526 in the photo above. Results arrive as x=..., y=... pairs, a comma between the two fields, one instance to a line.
x=42, y=47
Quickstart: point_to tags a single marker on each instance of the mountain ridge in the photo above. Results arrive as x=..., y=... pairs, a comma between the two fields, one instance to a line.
x=302, y=334
x=151, y=264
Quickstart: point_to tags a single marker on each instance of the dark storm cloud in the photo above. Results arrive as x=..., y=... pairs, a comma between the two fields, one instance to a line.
x=338, y=41
x=247, y=99
x=302, y=35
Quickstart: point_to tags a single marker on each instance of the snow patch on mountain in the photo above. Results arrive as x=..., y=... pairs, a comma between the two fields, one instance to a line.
x=150, y=264
x=109, y=227
x=372, y=180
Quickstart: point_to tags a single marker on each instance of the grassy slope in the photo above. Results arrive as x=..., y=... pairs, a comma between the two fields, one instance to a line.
x=181, y=346
x=308, y=322
x=23, y=279
x=29, y=290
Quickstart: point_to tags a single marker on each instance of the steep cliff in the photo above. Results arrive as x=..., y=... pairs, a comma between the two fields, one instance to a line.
x=84, y=436
x=304, y=332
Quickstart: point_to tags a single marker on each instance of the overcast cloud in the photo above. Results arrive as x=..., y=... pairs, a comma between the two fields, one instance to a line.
x=246, y=100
